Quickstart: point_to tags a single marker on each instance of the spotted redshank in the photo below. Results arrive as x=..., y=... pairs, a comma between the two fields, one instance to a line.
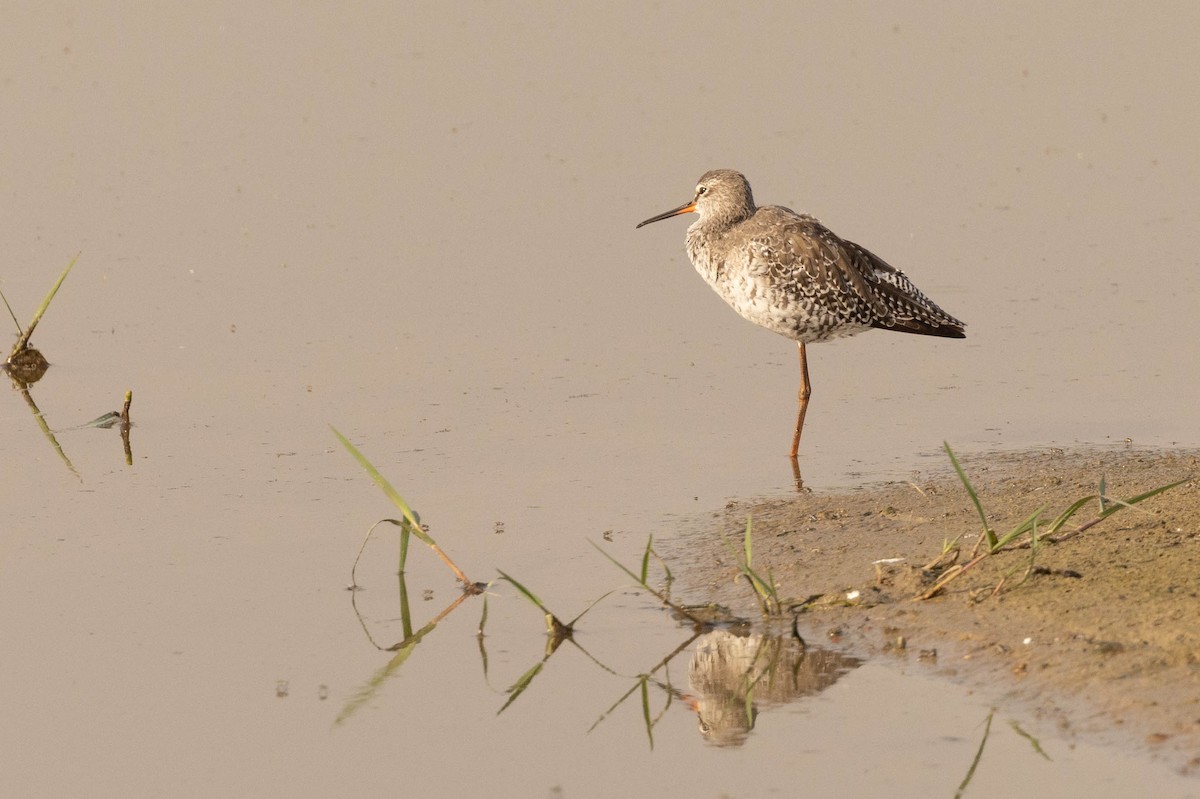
x=792, y=275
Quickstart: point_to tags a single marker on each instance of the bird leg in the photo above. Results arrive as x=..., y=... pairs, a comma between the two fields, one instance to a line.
x=805, y=393
x=797, y=478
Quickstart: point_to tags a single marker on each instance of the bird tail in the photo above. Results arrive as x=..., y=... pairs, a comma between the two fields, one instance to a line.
x=921, y=328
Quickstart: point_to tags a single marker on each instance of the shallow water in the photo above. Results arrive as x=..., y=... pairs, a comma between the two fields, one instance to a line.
x=417, y=225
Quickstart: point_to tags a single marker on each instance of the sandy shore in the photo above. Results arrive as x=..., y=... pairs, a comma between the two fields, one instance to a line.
x=1103, y=635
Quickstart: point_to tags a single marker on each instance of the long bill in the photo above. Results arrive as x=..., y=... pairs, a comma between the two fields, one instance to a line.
x=686, y=208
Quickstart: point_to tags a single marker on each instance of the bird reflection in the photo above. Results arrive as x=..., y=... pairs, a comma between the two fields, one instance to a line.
x=732, y=676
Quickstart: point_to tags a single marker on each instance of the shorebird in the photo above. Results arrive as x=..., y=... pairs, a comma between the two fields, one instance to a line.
x=792, y=275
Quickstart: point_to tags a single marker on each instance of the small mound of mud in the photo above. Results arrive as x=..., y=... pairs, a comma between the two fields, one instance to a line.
x=1102, y=633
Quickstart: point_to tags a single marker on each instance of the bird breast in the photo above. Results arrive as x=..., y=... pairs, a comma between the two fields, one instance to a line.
x=777, y=281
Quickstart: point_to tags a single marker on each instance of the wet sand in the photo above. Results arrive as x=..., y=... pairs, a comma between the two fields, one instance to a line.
x=1102, y=636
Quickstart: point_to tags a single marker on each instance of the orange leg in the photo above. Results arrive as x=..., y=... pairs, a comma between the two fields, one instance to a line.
x=805, y=393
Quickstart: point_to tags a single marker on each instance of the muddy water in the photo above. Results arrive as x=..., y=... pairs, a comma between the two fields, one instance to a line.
x=417, y=224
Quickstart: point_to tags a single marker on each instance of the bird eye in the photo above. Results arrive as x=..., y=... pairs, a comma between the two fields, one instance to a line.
x=701, y=190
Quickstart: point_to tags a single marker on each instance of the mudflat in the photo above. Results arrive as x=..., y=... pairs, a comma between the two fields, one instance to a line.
x=1100, y=632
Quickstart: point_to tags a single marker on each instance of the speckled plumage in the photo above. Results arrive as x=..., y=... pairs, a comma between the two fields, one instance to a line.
x=790, y=274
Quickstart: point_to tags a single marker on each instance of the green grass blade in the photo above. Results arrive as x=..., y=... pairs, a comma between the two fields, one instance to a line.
x=765, y=591
x=1037, y=747
x=483, y=622
x=525, y=592
x=962, y=475
x=1124, y=503
x=593, y=604
x=1024, y=527
x=10, y=312
x=747, y=545
x=405, y=530
x=518, y=688
x=365, y=693
x=761, y=586
x=47, y=432
x=413, y=521
x=405, y=607
x=646, y=711
x=662, y=597
x=639, y=580
x=23, y=341
x=613, y=707
x=1066, y=515
x=382, y=482
x=103, y=422
x=668, y=577
x=479, y=639
x=646, y=560
x=1115, y=505
x=363, y=546
x=978, y=756
x=1029, y=567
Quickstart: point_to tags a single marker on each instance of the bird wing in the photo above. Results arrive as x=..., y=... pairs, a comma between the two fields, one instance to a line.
x=908, y=308
x=799, y=252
